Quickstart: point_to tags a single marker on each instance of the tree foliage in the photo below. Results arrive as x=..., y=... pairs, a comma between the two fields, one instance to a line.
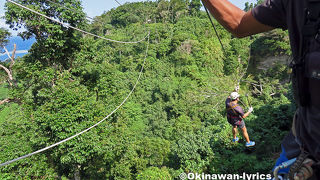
x=174, y=121
x=55, y=43
x=4, y=35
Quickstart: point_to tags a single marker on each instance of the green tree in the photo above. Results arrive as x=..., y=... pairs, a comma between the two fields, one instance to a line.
x=55, y=44
x=4, y=35
x=194, y=7
x=155, y=173
x=141, y=12
x=173, y=122
x=248, y=6
x=71, y=109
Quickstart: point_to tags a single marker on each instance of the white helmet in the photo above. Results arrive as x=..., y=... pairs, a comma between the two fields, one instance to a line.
x=234, y=95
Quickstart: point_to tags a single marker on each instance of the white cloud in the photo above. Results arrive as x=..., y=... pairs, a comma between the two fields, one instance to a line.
x=21, y=51
x=3, y=23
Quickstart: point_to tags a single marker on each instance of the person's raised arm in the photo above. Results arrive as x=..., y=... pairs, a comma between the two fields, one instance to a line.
x=235, y=20
x=247, y=113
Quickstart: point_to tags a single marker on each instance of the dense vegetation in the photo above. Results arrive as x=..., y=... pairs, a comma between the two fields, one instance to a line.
x=4, y=35
x=174, y=121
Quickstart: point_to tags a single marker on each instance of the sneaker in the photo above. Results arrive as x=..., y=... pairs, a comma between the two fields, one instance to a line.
x=251, y=143
x=235, y=140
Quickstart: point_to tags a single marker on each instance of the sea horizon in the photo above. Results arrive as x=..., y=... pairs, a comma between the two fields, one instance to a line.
x=23, y=47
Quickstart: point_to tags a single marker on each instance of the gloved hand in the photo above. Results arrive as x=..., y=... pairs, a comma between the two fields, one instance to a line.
x=237, y=88
x=250, y=109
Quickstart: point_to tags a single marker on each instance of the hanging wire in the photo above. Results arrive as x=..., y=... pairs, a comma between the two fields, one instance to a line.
x=214, y=27
x=77, y=29
x=221, y=41
x=118, y=2
x=78, y=134
x=71, y=137
x=244, y=72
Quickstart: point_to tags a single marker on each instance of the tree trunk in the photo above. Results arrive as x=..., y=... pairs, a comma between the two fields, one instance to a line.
x=10, y=78
x=9, y=71
x=4, y=101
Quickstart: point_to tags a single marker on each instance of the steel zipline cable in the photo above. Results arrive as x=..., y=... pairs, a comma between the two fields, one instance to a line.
x=118, y=2
x=71, y=137
x=214, y=27
x=78, y=134
x=77, y=29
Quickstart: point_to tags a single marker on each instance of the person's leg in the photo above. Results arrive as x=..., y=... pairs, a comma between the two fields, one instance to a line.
x=234, y=131
x=245, y=133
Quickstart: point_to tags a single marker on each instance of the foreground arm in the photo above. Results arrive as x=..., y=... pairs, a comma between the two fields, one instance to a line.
x=247, y=113
x=235, y=20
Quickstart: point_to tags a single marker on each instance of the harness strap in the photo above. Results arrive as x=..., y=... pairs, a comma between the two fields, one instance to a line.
x=309, y=29
x=232, y=107
x=304, y=166
x=298, y=164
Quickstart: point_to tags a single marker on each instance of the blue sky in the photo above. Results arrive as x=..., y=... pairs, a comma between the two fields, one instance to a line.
x=97, y=7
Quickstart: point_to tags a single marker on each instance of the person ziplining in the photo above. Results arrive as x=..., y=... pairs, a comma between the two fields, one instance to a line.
x=235, y=116
x=302, y=20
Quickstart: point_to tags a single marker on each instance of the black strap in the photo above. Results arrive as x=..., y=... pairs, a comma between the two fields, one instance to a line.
x=311, y=18
x=309, y=29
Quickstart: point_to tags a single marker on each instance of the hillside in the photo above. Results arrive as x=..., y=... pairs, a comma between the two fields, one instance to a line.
x=173, y=122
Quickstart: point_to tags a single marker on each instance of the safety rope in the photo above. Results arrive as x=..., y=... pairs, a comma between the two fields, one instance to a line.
x=244, y=72
x=71, y=137
x=118, y=2
x=282, y=166
x=215, y=30
x=69, y=26
x=237, y=84
x=214, y=27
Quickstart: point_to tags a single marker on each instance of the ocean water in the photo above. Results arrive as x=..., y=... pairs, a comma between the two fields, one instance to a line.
x=22, y=47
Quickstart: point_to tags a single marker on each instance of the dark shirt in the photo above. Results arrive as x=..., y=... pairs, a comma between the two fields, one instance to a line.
x=288, y=14
x=292, y=149
x=234, y=111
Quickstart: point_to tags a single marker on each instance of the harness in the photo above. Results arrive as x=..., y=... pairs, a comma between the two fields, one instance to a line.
x=235, y=115
x=306, y=65
x=304, y=68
